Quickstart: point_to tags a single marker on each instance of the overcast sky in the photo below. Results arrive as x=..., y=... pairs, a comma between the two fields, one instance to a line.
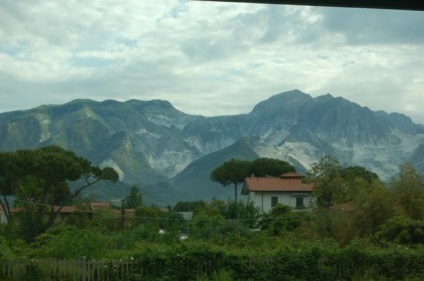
x=208, y=58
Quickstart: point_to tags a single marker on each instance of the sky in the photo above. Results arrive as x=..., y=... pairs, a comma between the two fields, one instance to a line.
x=208, y=58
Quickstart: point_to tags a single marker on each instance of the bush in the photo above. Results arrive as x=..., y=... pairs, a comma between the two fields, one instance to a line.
x=281, y=219
x=5, y=251
x=69, y=242
x=401, y=230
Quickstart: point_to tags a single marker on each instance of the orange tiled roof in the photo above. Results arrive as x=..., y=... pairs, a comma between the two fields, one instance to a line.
x=292, y=175
x=276, y=184
x=99, y=205
x=65, y=209
x=16, y=210
x=128, y=212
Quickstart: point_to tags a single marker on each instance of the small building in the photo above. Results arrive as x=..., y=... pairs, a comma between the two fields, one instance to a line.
x=187, y=216
x=99, y=206
x=3, y=217
x=64, y=212
x=288, y=189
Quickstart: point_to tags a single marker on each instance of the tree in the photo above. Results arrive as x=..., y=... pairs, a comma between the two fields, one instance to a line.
x=373, y=208
x=189, y=206
x=350, y=173
x=231, y=172
x=408, y=189
x=263, y=167
x=70, y=242
x=329, y=186
x=235, y=171
x=205, y=223
x=244, y=211
x=134, y=198
x=148, y=215
x=357, y=178
x=401, y=230
x=39, y=179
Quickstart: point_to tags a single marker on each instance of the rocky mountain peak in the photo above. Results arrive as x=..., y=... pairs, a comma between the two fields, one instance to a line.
x=152, y=141
x=282, y=101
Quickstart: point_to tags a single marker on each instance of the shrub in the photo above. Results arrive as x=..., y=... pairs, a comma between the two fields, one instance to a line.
x=401, y=230
x=68, y=242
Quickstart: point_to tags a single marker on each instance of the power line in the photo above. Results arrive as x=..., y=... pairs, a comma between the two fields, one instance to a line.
x=160, y=218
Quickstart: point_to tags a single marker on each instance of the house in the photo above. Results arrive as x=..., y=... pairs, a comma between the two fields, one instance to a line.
x=99, y=206
x=3, y=217
x=64, y=212
x=187, y=216
x=288, y=189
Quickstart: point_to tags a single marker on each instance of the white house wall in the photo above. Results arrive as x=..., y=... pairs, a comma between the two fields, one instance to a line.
x=3, y=219
x=263, y=199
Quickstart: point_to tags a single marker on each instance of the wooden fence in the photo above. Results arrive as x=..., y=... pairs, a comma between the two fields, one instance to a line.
x=102, y=270
x=71, y=270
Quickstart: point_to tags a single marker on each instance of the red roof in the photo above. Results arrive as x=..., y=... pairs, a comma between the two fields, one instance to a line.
x=12, y=210
x=65, y=209
x=94, y=205
x=287, y=182
x=292, y=175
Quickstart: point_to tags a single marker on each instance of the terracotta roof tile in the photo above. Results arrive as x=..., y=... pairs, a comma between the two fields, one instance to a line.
x=16, y=210
x=99, y=205
x=275, y=184
x=292, y=175
x=12, y=210
x=65, y=209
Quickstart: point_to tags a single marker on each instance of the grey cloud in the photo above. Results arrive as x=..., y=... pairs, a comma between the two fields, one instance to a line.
x=266, y=25
x=278, y=24
x=281, y=25
x=369, y=26
x=205, y=49
x=209, y=58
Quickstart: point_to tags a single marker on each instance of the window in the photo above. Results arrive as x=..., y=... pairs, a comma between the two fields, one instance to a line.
x=299, y=203
x=274, y=201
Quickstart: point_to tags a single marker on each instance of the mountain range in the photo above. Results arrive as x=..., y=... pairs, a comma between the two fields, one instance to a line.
x=170, y=154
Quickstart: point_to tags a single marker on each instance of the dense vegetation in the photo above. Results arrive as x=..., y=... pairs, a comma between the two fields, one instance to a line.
x=234, y=171
x=359, y=229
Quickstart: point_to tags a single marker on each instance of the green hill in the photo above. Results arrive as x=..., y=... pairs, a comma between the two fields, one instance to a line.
x=195, y=179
